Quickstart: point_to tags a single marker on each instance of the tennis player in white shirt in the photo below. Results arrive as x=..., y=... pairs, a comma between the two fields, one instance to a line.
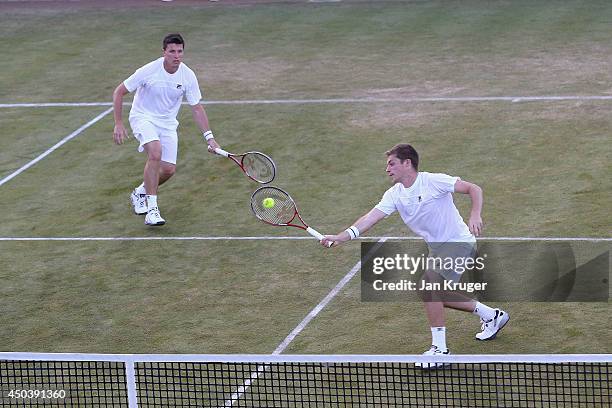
x=160, y=88
x=425, y=203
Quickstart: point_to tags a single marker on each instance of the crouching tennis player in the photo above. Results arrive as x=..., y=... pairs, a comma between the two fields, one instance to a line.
x=425, y=203
x=160, y=88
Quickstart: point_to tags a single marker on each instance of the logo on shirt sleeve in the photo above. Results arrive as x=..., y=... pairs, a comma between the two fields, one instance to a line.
x=179, y=86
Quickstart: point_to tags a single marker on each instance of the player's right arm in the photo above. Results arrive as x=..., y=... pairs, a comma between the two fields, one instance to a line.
x=119, y=133
x=363, y=224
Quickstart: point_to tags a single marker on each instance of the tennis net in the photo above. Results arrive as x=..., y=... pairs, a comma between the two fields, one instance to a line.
x=126, y=380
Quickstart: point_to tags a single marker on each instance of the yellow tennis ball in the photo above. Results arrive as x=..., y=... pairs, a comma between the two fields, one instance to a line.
x=268, y=202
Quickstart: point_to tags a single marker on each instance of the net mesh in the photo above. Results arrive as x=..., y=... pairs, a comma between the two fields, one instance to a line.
x=259, y=167
x=331, y=382
x=63, y=383
x=373, y=384
x=281, y=212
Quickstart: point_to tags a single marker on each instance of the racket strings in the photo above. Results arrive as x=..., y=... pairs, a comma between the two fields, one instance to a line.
x=259, y=167
x=282, y=212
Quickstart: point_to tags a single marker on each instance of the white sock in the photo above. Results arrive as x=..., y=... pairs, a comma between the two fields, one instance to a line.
x=151, y=201
x=484, y=312
x=140, y=189
x=438, y=337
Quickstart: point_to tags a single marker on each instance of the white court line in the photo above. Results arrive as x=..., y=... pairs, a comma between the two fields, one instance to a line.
x=245, y=386
x=341, y=100
x=241, y=390
x=317, y=309
x=55, y=147
x=286, y=238
x=300, y=327
x=54, y=104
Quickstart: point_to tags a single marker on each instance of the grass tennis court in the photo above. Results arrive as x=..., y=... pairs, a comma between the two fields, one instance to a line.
x=544, y=167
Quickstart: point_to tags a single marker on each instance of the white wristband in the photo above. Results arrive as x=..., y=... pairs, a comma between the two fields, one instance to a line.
x=353, y=232
x=208, y=135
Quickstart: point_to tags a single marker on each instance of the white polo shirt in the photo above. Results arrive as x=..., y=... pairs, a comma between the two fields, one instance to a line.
x=159, y=94
x=427, y=208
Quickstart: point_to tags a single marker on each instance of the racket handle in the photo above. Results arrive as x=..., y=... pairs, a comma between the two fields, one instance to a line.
x=316, y=234
x=221, y=152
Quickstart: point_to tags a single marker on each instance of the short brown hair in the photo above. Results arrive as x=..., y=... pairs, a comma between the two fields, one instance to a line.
x=404, y=151
x=174, y=38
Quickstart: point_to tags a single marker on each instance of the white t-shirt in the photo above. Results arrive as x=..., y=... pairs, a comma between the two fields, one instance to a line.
x=159, y=94
x=427, y=208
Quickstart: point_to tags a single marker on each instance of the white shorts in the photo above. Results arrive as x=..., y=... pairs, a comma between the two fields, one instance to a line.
x=456, y=251
x=145, y=131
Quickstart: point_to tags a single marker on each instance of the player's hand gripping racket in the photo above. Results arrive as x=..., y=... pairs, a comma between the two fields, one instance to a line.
x=276, y=207
x=256, y=165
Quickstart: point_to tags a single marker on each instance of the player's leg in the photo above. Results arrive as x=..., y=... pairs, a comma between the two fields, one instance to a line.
x=166, y=170
x=437, y=297
x=434, y=309
x=169, y=143
x=145, y=132
x=433, y=298
x=435, y=317
x=151, y=182
x=160, y=166
x=465, y=305
x=152, y=167
x=492, y=320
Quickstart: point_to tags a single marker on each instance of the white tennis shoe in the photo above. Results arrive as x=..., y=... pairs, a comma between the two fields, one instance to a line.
x=433, y=351
x=139, y=203
x=154, y=218
x=490, y=328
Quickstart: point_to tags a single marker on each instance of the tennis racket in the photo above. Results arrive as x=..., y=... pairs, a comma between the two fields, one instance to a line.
x=282, y=213
x=256, y=165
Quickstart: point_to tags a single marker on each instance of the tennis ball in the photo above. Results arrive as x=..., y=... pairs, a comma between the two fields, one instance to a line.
x=268, y=202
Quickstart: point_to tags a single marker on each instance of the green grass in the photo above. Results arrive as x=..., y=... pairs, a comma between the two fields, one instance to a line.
x=29, y=132
x=158, y=296
x=544, y=167
x=424, y=48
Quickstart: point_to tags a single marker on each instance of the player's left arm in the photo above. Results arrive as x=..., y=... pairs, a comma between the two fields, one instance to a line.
x=475, y=193
x=201, y=119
